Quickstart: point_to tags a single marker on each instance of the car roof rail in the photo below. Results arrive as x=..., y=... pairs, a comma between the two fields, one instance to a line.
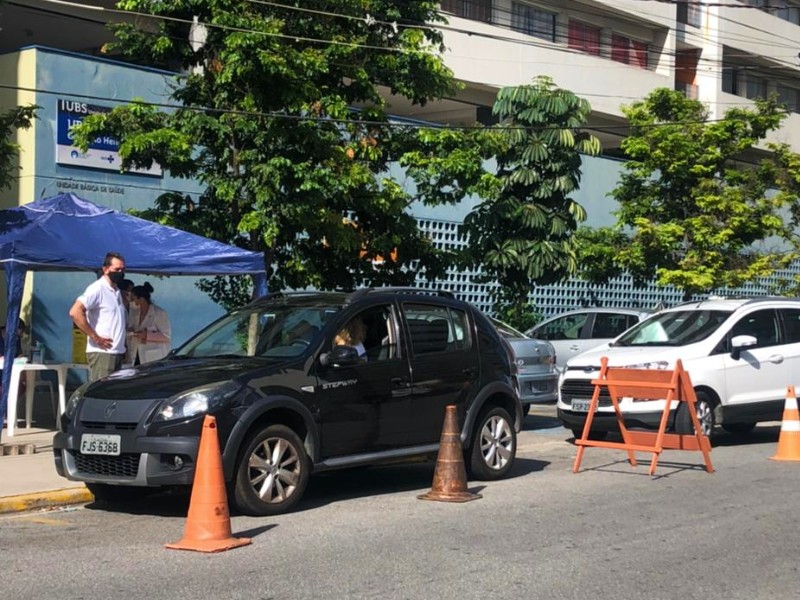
x=401, y=290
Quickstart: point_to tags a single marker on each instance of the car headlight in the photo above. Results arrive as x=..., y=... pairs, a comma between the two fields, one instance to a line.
x=74, y=400
x=656, y=365
x=196, y=401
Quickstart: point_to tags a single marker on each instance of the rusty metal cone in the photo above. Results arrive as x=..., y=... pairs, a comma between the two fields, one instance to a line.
x=450, y=476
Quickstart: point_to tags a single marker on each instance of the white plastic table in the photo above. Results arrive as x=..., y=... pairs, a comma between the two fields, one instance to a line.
x=29, y=369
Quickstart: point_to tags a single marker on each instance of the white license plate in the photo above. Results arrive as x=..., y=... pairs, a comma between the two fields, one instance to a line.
x=93, y=443
x=581, y=404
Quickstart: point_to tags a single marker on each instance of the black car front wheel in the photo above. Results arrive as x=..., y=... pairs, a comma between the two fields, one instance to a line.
x=272, y=472
x=494, y=445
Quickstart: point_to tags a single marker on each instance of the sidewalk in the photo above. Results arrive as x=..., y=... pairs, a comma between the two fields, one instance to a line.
x=28, y=478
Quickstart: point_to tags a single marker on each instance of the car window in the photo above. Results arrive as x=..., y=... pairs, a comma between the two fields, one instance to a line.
x=436, y=328
x=567, y=327
x=271, y=332
x=791, y=320
x=762, y=324
x=610, y=325
x=506, y=330
x=674, y=328
x=379, y=332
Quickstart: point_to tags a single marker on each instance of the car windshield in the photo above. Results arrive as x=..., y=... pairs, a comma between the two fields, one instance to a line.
x=506, y=330
x=269, y=331
x=674, y=328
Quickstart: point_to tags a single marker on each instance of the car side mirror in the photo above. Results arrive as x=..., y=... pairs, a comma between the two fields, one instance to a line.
x=741, y=342
x=340, y=356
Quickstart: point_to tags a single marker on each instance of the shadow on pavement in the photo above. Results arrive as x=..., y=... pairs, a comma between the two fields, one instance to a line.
x=535, y=422
x=324, y=488
x=336, y=486
x=171, y=503
x=762, y=434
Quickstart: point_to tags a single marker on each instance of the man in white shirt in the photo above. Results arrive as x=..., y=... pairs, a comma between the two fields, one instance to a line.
x=100, y=313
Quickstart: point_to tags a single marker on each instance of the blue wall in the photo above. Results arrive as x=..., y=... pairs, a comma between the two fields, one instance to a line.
x=75, y=77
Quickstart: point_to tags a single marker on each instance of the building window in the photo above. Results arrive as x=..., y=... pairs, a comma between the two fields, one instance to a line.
x=788, y=10
x=477, y=10
x=690, y=13
x=532, y=21
x=583, y=37
x=630, y=52
x=756, y=87
x=730, y=80
x=790, y=97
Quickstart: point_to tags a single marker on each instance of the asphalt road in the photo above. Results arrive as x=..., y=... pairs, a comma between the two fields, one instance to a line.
x=610, y=531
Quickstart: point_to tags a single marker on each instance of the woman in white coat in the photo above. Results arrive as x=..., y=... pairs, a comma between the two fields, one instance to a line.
x=151, y=331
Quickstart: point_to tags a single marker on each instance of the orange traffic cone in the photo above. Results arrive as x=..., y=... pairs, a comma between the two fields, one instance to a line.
x=789, y=438
x=208, y=525
x=450, y=476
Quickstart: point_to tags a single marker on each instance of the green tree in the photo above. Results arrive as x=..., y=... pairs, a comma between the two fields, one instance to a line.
x=703, y=204
x=264, y=119
x=522, y=233
x=20, y=117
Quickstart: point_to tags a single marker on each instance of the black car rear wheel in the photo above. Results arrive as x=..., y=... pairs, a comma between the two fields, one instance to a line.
x=494, y=445
x=272, y=472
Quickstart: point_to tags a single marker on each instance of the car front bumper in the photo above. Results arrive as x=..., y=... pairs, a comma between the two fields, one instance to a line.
x=144, y=461
x=607, y=421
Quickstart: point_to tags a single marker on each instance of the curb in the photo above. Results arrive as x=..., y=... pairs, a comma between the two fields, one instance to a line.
x=45, y=500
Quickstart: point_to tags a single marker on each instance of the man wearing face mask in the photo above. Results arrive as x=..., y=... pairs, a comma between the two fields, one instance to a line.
x=100, y=313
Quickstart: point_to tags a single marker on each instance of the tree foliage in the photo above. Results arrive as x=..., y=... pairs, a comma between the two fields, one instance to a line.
x=701, y=207
x=522, y=232
x=264, y=119
x=20, y=117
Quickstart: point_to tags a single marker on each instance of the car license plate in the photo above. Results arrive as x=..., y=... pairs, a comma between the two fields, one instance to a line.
x=581, y=404
x=93, y=443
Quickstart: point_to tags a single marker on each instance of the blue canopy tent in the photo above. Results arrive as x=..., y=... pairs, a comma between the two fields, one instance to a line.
x=68, y=233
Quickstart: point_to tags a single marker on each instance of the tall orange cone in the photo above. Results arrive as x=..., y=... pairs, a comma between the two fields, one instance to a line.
x=208, y=525
x=789, y=438
x=450, y=476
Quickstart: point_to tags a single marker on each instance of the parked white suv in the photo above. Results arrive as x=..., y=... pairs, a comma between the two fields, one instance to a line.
x=741, y=355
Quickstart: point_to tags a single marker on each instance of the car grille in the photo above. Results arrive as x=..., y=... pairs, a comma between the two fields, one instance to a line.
x=103, y=425
x=124, y=465
x=583, y=388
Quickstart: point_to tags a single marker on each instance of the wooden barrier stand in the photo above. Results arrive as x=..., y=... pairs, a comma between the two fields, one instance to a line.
x=645, y=384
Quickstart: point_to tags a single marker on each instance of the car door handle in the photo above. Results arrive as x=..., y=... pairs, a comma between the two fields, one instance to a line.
x=776, y=359
x=399, y=382
x=470, y=371
x=573, y=347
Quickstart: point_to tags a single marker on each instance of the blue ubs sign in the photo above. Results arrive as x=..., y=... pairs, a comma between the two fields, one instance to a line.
x=103, y=152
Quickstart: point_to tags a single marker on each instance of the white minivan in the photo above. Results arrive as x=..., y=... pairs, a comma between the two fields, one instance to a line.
x=741, y=354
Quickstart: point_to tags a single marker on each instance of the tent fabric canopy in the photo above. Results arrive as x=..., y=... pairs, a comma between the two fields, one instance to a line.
x=68, y=233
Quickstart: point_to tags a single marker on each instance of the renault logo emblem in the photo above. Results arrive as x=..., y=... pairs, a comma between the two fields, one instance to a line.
x=110, y=408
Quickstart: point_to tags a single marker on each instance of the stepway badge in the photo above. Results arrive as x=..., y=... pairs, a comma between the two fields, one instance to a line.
x=103, y=153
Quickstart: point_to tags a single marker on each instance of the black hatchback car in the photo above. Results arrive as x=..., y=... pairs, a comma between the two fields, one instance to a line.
x=290, y=397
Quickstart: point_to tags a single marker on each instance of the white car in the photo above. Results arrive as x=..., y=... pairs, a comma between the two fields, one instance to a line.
x=577, y=331
x=741, y=354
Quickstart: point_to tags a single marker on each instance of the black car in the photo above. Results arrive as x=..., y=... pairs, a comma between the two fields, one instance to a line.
x=288, y=400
